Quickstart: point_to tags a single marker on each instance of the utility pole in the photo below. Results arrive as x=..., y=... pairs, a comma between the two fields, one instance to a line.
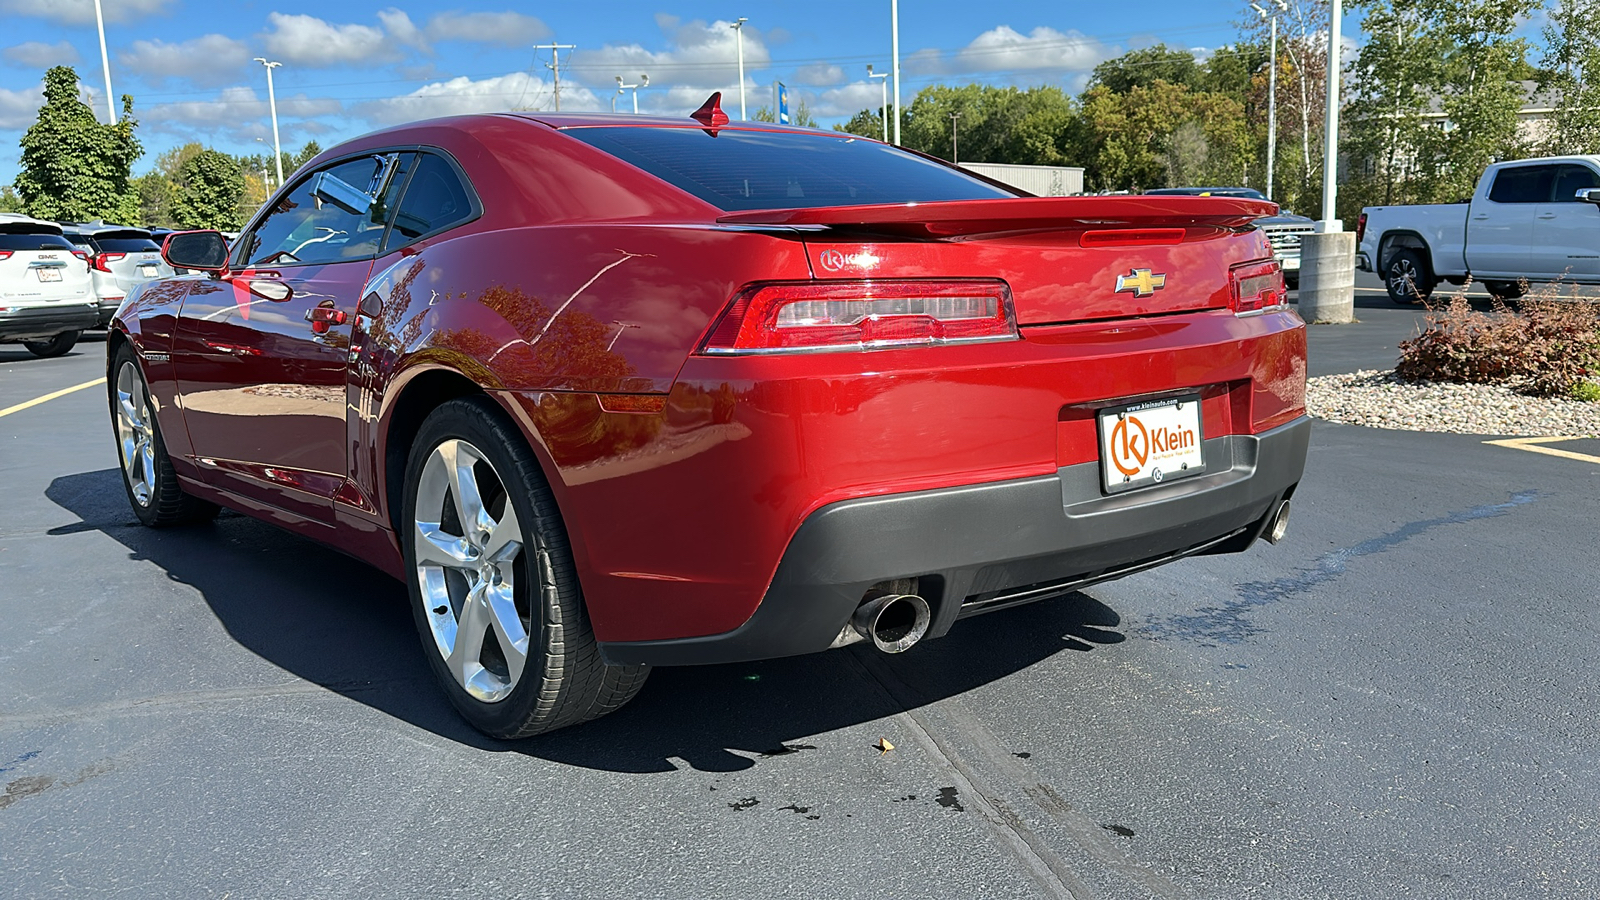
x=894, y=40
x=1330, y=152
x=105, y=64
x=272, y=103
x=738, y=30
x=883, y=90
x=554, y=65
x=1272, y=89
x=955, y=148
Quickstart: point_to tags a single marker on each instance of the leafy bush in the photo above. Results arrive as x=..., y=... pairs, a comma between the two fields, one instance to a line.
x=1548, y=347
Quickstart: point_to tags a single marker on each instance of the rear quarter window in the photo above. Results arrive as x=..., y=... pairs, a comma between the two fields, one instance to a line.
x=742, y=170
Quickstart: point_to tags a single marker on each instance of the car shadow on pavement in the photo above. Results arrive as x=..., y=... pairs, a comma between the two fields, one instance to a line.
x=345, y=626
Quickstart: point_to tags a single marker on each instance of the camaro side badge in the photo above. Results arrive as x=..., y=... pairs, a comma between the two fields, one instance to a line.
x=1141, y=282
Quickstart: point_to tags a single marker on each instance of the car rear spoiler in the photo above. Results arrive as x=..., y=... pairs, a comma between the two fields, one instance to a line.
x=957, y=217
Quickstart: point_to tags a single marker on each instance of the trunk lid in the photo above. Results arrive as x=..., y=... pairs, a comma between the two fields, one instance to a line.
x=1066, y=259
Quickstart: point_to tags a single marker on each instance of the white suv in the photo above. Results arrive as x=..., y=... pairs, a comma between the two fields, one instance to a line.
x=46, y=298
x=120, y=259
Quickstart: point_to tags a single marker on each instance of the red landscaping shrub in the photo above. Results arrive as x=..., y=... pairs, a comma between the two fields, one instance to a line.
x=1548, y=346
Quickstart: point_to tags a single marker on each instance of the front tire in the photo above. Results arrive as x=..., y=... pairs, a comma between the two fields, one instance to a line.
x=56, y=346
x=1408, y=278
x=494, y=590
x=153, y=490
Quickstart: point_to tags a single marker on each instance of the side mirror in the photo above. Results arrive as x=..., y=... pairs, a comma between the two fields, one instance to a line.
x=1589, y=195
x=206, y=251
x=343, y=194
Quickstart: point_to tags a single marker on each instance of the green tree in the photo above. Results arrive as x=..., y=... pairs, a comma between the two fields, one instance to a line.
x=211, y=190
x=9, y=201
x=866, y=123
x=800, y=115
x=993, y=124
x=1146, y=66
x=1572, y=71
x=1386, y=132
x=1302, y=98
x=1163, y=135
x=74, y=168
x=155, y=200
x=306, y=154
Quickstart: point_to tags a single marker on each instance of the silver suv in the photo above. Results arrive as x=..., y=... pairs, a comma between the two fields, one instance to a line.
x=120, y=259
x=46, y=298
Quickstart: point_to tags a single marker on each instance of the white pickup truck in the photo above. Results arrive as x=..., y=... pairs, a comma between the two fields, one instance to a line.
x=1531, y=220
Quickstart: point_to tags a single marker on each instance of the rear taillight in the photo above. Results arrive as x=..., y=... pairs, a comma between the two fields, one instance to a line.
x=862, y=315
x=101, y=260
x=1361, y=227
x=5, y=255
x=81, y=254
x=1258, y=286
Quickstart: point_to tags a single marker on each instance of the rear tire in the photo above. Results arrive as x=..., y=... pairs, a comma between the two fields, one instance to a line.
x=56, y=346
x=494, y=590
x=152, y=487
x=1408, y=278
x=1505, y=290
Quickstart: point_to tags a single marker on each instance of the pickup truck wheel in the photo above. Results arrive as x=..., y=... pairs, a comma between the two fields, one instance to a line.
x=494, y=589
x=1505, y=290
x=1407, y=278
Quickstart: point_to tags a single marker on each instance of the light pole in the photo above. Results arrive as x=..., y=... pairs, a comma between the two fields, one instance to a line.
x=955, y=148
x=644, y=81
x=272, y=104
x=894, y=41
x=883, y=89
x=1272, y=89
x=105, y=64
x=1330, y=151
x=738, y=30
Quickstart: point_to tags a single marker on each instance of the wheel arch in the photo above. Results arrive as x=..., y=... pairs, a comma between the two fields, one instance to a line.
x=1393, y=241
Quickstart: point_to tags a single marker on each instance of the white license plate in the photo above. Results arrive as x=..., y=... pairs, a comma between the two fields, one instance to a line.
x=148, y=271
x=1149, y=443
x=50, y=274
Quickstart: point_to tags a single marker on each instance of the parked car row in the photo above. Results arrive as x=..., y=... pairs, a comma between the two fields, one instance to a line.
x=47, y=299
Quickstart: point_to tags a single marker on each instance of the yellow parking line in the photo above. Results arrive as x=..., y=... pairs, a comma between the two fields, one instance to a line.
x=1530, y=445
x=50, y=396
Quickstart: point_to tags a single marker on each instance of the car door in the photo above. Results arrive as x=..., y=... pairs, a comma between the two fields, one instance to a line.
x=1566, y=230
x=1500, y=227
x=261, y=352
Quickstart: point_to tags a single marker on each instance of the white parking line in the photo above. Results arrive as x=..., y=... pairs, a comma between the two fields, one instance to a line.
x=48, y=397
x=1531, y=445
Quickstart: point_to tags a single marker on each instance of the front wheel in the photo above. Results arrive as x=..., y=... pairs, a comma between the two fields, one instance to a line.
x=153, y=490
x=56, y=346
x=494, y=590
x=1408, y=278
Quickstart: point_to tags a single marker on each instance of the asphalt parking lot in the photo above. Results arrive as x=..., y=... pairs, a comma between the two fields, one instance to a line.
x=1397, y=701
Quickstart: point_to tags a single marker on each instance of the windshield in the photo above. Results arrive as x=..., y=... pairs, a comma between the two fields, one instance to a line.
x=742, y=170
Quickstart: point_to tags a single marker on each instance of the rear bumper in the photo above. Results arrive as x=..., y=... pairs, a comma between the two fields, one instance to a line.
x=987, y=546
x=30, y=323
x=1363, y=261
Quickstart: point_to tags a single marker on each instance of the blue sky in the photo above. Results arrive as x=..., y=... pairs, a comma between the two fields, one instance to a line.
x=350, y=67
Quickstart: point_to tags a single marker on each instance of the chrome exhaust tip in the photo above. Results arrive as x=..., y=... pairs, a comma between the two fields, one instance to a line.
x=894, y=622
x=1280, y=524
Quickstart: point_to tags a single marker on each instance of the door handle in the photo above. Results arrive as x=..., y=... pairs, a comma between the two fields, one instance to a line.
x=1480, y=218
x=1547, y=215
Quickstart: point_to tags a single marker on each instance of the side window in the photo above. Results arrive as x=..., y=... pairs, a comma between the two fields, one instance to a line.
x=1573, y=179
x=435, y=199
x=305, y=229
x=1522, y=184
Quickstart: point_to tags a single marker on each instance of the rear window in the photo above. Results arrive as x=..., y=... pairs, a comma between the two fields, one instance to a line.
x=740, y=170
x=14, y=241
x=126, y=245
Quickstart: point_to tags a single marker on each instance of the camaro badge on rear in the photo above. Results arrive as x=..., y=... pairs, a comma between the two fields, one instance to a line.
x=1141, y=282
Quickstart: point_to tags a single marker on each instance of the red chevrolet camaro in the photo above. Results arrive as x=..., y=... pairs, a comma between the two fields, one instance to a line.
x=612, y=392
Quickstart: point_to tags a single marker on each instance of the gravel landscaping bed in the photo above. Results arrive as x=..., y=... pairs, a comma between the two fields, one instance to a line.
x=1379, y=399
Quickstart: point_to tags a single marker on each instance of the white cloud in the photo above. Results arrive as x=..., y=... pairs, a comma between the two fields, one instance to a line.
x=402, y=29
x=461, y=96
x=310, y=41
x=510, y=29
x=818, y=75
x=235, y=103
x=19, y=109
x=700, y=58
x=38, y=55
x=207, y=60
x=81, y=12
x=848, y=100
x=1003, y=49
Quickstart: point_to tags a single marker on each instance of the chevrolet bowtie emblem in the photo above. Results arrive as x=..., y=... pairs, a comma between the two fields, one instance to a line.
x=1141, y=282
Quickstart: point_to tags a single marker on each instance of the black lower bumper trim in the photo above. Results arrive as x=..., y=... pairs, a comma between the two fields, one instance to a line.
x=981, y=541
x=40, y=323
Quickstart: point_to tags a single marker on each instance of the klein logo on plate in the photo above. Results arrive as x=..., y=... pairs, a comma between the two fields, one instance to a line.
x=1132, y=444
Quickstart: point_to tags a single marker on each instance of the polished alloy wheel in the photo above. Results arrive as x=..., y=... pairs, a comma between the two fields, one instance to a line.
x=1403, y=278
x=468, y=545
x=135, y=434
